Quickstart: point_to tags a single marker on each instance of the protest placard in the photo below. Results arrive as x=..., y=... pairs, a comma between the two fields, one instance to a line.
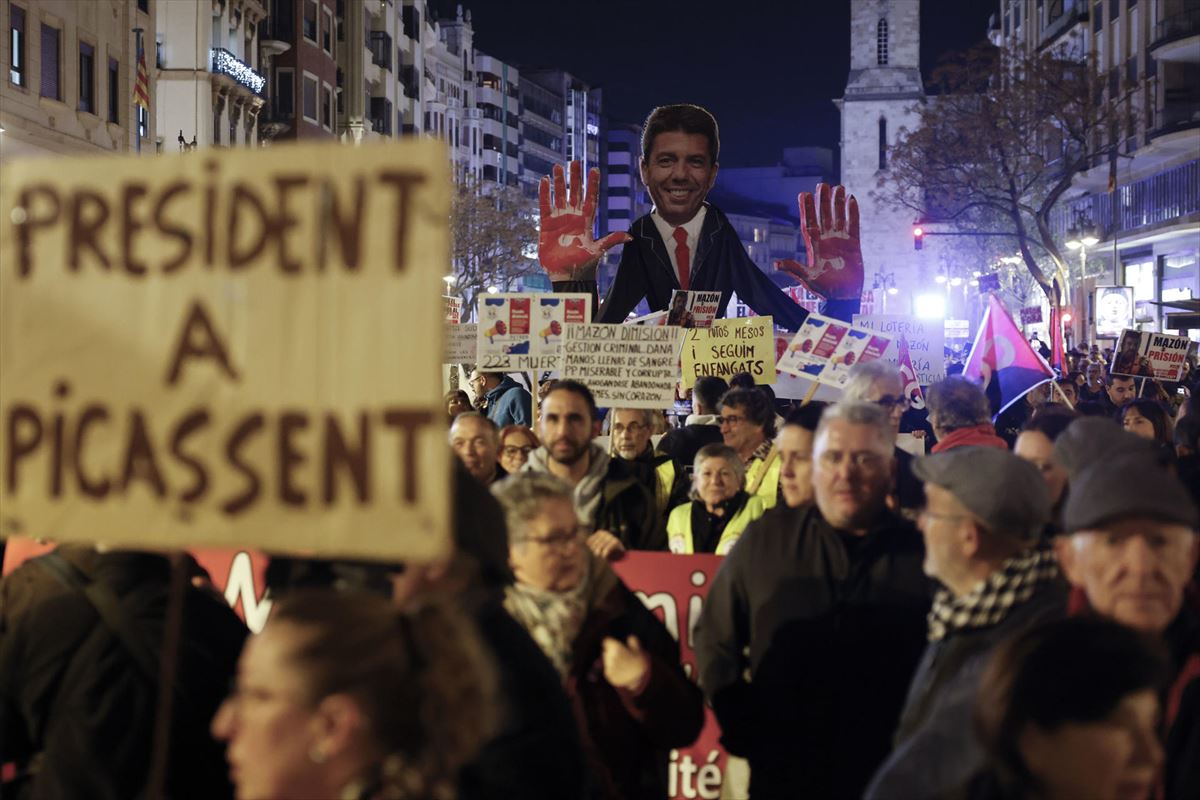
x=730, y=346
x=693, y=309
x=523, y=332
x=213, y=351
x=1031, y=315
x=625, y=366
x=824, y=350
x=925, y=339
x=461, y=343
x=1151, y=355
x=453, y=309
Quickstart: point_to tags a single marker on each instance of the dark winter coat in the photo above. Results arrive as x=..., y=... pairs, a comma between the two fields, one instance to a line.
x=627, y=737
x=936, y=749
x=835, y=625
x=73, y=703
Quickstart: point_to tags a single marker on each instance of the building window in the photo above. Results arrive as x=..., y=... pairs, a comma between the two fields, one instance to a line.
x=51, y=38
x=16, y=42
x=310, y=99
x=144, y=6
x=310, y=20
x=881, y=43
x=87, y=78
x=327, y=31
x=114, y=91
x=883, y=143
x=143, y=117
x=285, y=93
x=327, y=106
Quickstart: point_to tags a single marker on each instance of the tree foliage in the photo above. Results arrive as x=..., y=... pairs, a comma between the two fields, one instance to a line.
x=997, y=147
x=494, y=230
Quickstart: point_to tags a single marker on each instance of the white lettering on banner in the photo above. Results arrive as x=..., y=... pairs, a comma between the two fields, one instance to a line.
x=239, y=587
x=686, y=779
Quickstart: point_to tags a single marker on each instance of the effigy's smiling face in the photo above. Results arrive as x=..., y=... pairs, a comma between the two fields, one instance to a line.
x=679, y=174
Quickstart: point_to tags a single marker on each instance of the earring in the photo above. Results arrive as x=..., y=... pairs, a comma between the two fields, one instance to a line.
x=317, y=754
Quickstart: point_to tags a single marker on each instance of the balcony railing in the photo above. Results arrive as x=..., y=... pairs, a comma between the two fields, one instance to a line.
x=1177, y=26
x=1162, y=198
x=380, y=45
x=226, y=63
x=1175, y=117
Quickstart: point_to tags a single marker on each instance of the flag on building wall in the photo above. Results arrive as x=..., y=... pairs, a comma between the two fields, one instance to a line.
x=1002, y=358
x=141, y=84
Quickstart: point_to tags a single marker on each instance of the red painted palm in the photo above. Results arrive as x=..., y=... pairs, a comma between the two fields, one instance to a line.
x=566, y=249
x=835, y=263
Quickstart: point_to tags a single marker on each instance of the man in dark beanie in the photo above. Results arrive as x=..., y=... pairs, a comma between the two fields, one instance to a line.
x=984, y=511
x=1129, y=551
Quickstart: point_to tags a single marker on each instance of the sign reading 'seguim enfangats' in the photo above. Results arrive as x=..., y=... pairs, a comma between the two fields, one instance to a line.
x=236, y=347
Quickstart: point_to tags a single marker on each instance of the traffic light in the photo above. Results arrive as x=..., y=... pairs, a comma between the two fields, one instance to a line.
x=918, y=237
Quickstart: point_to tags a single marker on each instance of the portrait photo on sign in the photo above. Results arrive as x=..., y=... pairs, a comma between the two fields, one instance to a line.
x=1127, y=358
x=1114, y=310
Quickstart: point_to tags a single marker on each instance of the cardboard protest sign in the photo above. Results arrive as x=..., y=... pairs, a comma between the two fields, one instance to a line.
x=625, y=366
x=212, y=351
x=825, y=349
x=693, y=309
x=523, y=332
x=1031, y=315
x=730, y=346
x=461, y=343
x=1151, y=355
x=453, y=309
x=925, y=339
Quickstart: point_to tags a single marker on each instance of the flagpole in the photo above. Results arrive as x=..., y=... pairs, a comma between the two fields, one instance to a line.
x=137, y=122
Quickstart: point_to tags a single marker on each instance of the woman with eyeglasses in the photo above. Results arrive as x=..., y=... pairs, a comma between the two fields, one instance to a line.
x=720, y=509
x=619, y=664
x=516, y=443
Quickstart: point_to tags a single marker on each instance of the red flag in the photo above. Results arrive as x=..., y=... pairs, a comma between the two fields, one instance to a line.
x=912, y=386
x=141, y=84
x=1001, y=353
x=1056, y=340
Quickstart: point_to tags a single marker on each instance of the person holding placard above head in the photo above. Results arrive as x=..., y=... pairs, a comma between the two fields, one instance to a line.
x=720, y=508
x=687, y=243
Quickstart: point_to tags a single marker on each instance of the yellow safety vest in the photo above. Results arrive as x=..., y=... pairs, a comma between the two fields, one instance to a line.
x=679, y=526
x=664, y=474
x=764, y=485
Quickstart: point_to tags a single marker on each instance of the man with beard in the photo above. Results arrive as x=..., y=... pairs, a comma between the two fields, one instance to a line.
x=687, y=243
x=829, y=599
x=630, y=429
x=618, y=510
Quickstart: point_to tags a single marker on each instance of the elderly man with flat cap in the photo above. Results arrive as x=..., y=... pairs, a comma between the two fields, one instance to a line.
x=984, y=511
x=1129, y=551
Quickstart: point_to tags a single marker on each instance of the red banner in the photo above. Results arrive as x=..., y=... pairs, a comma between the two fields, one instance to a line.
x=672, y=586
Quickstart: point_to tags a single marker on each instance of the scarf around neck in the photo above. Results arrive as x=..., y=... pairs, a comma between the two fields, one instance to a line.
x=553, y=619
x=991, y=601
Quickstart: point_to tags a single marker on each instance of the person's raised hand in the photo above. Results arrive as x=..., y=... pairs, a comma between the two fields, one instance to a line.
x=625, y=665
x=566, y=249
x=605, y=545
x=835, y=263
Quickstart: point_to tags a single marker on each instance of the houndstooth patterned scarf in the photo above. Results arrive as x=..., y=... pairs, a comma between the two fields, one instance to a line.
x=553, y=619
x=989, y=603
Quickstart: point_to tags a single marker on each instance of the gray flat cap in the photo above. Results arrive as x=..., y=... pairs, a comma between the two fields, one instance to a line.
x=1089, y=440
x=1127, y=485
x=1006, y=493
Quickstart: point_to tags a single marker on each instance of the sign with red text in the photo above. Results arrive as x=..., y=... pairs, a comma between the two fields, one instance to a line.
x=524, y=332
x=674, y=588
x=825, y=349
x=213, y=352
x=693, y=309
x=1151, y=355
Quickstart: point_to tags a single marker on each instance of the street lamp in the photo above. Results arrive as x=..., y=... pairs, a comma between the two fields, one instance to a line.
x=941, y=275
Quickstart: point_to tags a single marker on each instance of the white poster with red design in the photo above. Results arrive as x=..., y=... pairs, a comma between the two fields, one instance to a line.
x=524, y=332
x=825, y=349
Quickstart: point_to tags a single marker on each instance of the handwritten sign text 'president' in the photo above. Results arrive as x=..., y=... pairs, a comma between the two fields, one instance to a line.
x=216, y=349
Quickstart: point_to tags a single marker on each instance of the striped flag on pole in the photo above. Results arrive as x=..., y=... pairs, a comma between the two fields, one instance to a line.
x=141, y=84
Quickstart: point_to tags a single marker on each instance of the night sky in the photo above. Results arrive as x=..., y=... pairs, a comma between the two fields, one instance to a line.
x=767, y=70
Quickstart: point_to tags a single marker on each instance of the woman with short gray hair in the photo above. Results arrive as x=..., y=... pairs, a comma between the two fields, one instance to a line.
x=720, y=509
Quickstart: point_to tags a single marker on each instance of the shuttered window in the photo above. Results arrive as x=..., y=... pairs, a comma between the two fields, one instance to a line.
x=51, y=45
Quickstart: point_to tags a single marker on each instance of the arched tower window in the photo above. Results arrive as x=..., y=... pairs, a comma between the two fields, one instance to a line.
x=883, y=143
x=881, y=43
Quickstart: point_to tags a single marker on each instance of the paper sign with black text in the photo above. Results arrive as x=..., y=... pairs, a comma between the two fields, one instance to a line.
x=523, y=332
x=214, y=351
x=461, y=343
x=926, y=340
x=625, y=366
x=730, y=346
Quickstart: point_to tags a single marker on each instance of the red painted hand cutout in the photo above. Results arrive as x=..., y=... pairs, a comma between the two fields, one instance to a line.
x=566, y=248
x=835, y=263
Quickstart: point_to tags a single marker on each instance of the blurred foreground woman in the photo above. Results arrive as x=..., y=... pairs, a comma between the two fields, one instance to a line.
x=341, y=696
x=1070, y=710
